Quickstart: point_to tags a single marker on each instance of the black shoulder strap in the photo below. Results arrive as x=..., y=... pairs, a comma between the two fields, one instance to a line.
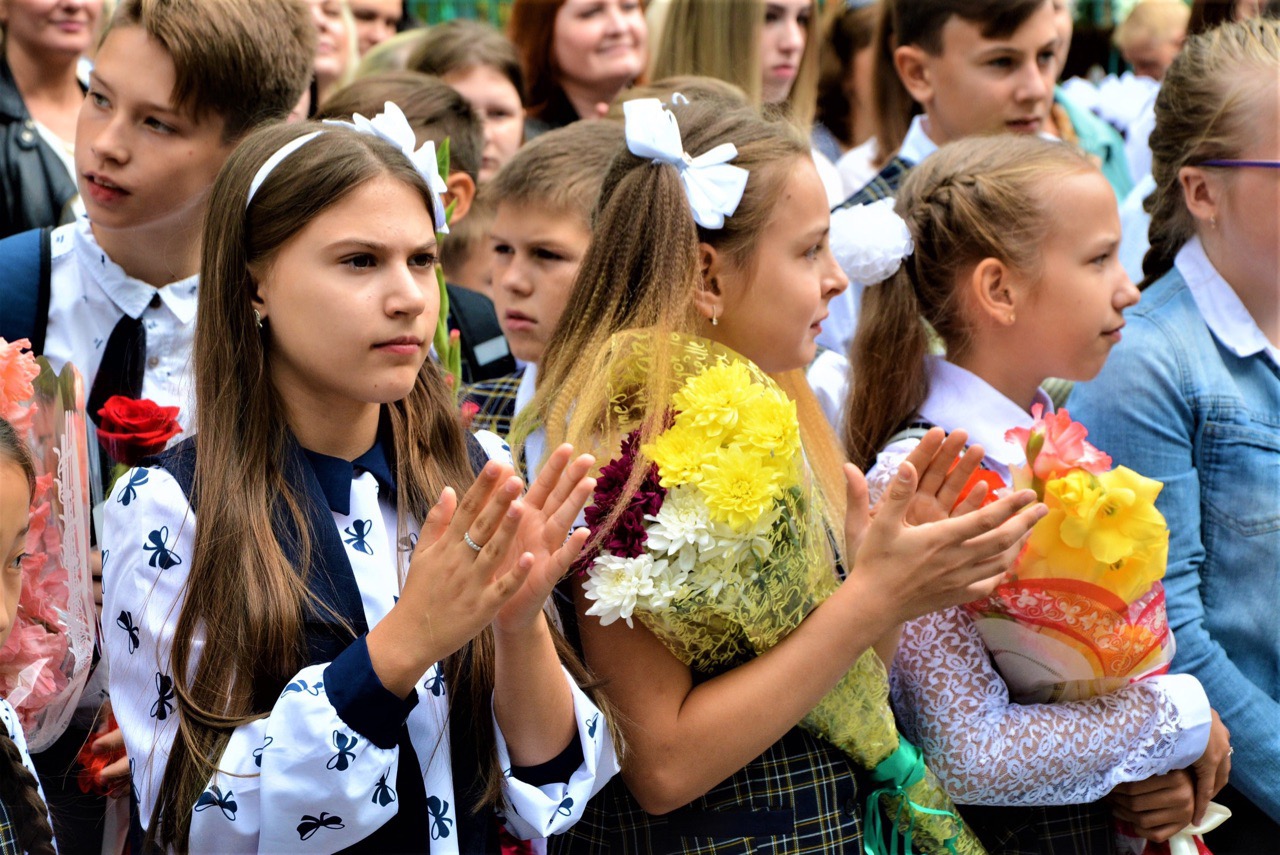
x=915, y=430
x=24, y=287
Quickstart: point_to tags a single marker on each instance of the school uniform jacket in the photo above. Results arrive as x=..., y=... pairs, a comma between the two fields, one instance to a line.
x=339, y=761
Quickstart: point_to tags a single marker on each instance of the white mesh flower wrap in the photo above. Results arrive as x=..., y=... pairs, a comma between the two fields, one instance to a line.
x=713, y=186
x=870, y=242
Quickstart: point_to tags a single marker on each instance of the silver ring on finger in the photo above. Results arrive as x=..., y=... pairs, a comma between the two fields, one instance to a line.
x=466, y=538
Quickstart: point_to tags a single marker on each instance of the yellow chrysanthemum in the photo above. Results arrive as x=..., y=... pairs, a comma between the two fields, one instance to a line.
x=1112, y=514
x=739, y=487
x=681, y=452
x=769, y=427
x=713, y=400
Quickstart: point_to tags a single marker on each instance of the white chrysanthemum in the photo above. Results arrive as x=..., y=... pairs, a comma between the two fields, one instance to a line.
x=620, y=585
x=681, y=528
x=734, y=547
x=870, y=241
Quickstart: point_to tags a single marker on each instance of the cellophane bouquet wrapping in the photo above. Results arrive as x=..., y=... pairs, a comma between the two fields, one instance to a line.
x=723, y=551
x=1084, y=612
x=46, y=660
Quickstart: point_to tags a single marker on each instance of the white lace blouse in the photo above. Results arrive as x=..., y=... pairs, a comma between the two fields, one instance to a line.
x=952, y=703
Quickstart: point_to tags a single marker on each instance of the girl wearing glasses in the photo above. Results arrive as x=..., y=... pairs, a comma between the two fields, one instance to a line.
x=1192, y=395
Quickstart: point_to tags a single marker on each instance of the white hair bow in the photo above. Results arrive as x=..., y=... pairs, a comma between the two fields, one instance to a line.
x=392, y=126
x=713, y=186
x=870, y=242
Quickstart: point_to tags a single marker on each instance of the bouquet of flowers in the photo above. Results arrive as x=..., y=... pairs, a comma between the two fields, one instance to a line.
x=723, y=551
x=46, y=659
x=1085, y=612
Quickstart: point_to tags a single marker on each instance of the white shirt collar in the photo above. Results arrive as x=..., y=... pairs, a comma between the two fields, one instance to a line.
x=132, y=296
x=535, y=444
x=1222, y=309
x=961, y=399
x=917, y=145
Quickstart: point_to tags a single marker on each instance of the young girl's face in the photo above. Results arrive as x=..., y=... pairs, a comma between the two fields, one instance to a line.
x=494, y=98
x=15, y=503
x=782, y=43
x=350, y=302
x=1067, y=322
x=773, y=308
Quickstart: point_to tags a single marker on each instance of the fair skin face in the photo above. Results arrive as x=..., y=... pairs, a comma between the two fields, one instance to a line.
x=1063, y=322
x=332, y=43
x=144, y=165
x=687, y=738
x=535, y=257
x=1237, y=214
x=980, y=85
x=599, y=47
x=15, y=501
x=376, y=21
x=496, y=101
x=774, y=310
x=782, y=43
x=1152, y=57
x=1063, y=12
x=43, y=40
x=363, y=271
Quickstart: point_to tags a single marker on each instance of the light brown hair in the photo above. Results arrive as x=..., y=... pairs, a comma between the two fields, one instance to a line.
x=641, y=272
x=248, y=61
x=240, y=632
x=460, y=44
x=1205, y=110
x=434, y=109
x=560, y=171
x=691, y=86
x=846, y=32
x=973, y=199
x=717, y=39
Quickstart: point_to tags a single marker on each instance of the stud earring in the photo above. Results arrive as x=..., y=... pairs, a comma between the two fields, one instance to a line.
x=1213, y=222
x=1011, y=318
x=257, y=318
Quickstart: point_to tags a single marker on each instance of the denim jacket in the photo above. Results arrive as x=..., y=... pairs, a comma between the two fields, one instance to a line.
x=1175, y=403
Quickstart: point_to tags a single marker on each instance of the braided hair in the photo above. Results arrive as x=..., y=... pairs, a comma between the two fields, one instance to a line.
x=19, y=790
x=974, y=199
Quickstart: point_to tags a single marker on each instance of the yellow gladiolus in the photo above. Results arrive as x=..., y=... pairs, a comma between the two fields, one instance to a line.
x=1112, y=514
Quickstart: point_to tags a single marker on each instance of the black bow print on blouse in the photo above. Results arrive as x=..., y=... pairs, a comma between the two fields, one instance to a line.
x=311, y=824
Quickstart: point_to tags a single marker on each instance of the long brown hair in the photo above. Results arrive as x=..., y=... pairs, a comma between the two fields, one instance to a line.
x=19, y=790
x=1206, y=109
x=242, y=595
x=973, y=199
x=641, y=273
x=846, y=32
x=532, y=29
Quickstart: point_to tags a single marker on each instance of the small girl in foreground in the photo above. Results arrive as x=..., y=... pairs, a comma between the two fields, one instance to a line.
x=717, y=759
x=1015, y=269
x=24, y=819
x=294, y=666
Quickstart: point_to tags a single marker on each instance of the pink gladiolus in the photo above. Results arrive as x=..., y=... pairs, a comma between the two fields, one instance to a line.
x=1055, y=445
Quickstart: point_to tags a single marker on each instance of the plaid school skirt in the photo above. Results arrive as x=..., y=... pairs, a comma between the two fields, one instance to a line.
x=800, y=797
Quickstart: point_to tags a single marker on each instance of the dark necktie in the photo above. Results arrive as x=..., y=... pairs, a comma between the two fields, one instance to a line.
x=123, y=361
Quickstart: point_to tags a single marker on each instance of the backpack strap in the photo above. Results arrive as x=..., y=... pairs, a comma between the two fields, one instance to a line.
x=24, y=287
x=915, y=430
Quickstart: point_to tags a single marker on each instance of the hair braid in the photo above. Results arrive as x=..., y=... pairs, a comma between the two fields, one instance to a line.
x=20, y=793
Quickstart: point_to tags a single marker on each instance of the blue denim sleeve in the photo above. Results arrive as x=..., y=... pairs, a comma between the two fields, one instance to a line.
x=1142, y=410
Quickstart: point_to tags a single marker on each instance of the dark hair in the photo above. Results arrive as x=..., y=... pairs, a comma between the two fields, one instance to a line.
x=248, y=61
x=19, y=790
x=532, y=29
x=460, y=44
x=848, y=32
x=1207, y=14
x=980, y=197
x=434, y=109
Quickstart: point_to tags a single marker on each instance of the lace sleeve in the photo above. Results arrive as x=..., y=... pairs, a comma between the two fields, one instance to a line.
x=988, y=750
x=887, y=462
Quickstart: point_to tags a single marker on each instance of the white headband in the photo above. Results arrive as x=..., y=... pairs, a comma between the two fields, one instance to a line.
x=870, y=242
x=390, y=125
x=713, y=187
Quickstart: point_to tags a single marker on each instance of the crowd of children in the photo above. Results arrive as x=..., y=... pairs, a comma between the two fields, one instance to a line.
x=598, y=436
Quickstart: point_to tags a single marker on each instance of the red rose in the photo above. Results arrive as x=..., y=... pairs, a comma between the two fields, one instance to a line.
x=134, y=429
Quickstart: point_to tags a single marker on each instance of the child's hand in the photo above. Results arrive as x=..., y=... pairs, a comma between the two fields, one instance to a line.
x=1213, y=767
x=553, y=502
x=1158, y=807
x=945, y=467
x=916, y=569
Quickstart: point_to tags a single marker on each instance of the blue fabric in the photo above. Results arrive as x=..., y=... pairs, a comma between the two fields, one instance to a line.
x=362, y=701
x=1174, y=404
x=335, y=475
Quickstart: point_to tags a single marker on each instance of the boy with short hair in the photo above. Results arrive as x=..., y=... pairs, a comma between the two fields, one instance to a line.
x=543, y=199
x=175, y=85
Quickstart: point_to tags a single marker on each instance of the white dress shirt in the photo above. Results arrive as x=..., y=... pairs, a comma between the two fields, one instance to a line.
x=1224, y=313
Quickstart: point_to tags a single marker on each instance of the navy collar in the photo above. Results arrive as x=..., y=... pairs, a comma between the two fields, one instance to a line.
x=335, y=474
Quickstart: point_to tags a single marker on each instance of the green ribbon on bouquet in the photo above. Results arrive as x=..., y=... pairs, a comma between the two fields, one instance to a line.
x=900, y=770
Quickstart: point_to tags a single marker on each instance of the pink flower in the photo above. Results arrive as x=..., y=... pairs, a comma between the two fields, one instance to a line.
x=17, y=370
x=1055, y=445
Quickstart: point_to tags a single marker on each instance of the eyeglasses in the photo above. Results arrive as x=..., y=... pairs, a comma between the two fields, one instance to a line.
x=1260, y=164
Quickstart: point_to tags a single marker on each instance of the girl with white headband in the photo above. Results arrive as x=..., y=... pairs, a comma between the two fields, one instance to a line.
x=710, y=259
x=326, y=627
